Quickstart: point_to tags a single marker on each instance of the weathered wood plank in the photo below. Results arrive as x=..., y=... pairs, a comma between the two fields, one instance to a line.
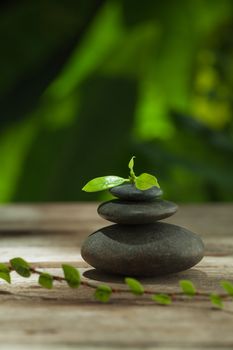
x=53, y=251
x=62, y=318
x=22, y=229
x=49, y=217
x=206, y=219
x=113, y=326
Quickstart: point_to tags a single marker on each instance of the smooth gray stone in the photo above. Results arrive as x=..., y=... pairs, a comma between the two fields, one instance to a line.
x=123, y=212
x=149, y=250
x=131, y=193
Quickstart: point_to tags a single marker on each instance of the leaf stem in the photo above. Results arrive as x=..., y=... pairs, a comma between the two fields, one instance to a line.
x=103, y=292
x=118, y=290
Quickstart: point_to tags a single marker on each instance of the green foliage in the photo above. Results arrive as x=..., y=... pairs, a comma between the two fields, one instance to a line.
x=46, y=280
x=145, y=181
x=134, y=74
x=188, y=287
x=162, y=299
x=134, y=285
x=228, y=286
x=131, y=166
x=71, y=275
x=216, y=300
x=5, y=273
x=142, y=182
x=103, y=293
x=21, y=267
x=103, y=183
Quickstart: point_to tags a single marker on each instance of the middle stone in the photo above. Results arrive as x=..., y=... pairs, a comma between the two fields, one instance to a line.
x=123, y=212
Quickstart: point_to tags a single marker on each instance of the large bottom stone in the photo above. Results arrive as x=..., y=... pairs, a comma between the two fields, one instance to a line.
x=148, y=250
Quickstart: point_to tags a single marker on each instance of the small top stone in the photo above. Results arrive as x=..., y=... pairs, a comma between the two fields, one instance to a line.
x=130, y=193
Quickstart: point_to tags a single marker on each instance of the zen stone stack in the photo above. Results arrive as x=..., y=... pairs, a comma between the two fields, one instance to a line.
x=138, y=244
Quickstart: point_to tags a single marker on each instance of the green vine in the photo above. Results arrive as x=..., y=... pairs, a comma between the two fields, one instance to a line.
x=103, y=292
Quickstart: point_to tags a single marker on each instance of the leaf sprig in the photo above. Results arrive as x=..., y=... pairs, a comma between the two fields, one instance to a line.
x=142, y=182
x=103, y=292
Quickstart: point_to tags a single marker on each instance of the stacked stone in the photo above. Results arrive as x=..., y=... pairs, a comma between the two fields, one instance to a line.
x=138, y=244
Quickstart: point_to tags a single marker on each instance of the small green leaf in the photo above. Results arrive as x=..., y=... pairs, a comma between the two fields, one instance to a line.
x=103, y=183
x=71, y=275
x=188, y=287
x=131, y=166
x=134, y=285
x=5, y=273
x=131, y=163
x=145, y=181
x=21, y=267
x=228, y=286
x=162, y=299
x=46, y=280
x=216, y=300
x=103, y=293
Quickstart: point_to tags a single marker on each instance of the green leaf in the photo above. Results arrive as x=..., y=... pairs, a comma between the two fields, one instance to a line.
x=131, y=166
x=216, y=300
x=72, y=276
x=46, y=280
x=131, y=163
x=228, y=286
x=103, y=293
x=162, y=299
x=134, y=285
x=5, y=273
x=145, y=181
x=188, y=287
x=103, y=183
x=21, y=267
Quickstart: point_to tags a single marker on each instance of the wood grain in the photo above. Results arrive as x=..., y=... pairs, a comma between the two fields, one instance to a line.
x=50, y=234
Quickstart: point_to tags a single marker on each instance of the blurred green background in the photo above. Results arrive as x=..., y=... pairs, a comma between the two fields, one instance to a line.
x=87, y=84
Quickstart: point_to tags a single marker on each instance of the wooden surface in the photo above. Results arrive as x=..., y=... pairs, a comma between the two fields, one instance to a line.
x=48, y=235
